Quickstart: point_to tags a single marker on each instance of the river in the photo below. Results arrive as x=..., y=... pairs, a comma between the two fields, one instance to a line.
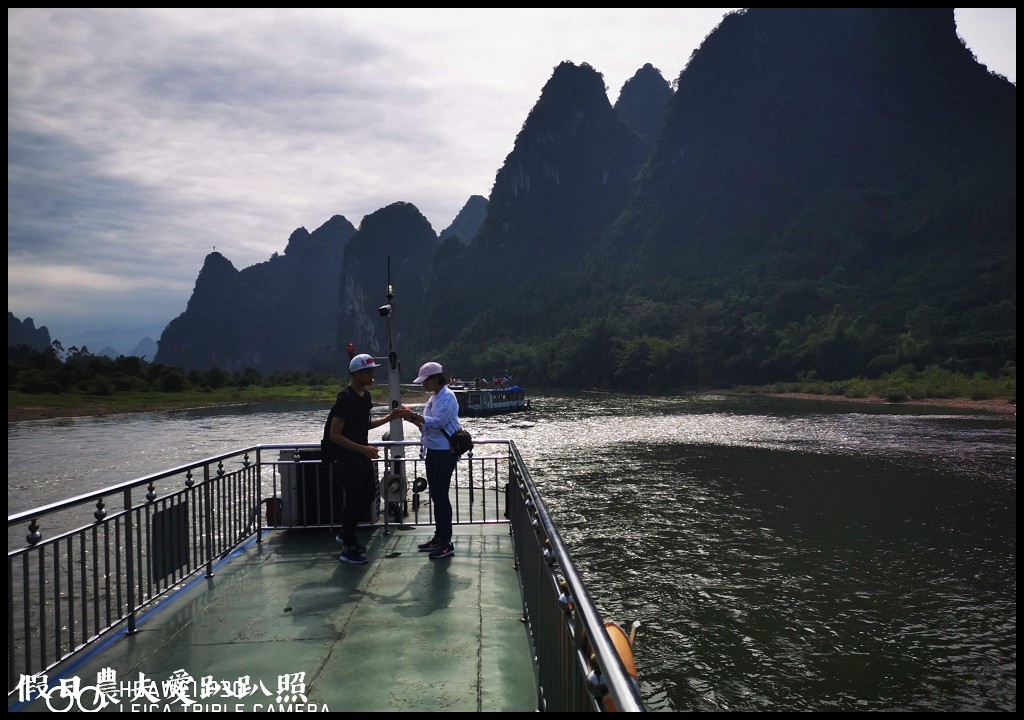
x=779, y=554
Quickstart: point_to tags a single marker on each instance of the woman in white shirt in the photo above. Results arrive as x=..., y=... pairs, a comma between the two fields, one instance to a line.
x=440, y=415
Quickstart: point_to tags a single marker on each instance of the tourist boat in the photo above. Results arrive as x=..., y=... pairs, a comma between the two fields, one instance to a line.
x=215, y=586
x=479, y=397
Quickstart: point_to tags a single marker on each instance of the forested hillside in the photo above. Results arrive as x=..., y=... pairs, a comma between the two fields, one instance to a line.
x=832, y=192
x=820, y=192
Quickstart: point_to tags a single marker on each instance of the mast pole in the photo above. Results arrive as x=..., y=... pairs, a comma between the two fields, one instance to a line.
x=396, y=431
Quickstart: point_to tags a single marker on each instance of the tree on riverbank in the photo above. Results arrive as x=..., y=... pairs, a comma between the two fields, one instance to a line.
x=77, y=371
x=80, y=373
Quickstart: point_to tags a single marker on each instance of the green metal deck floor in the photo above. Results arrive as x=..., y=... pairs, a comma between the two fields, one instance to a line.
x=401, y=633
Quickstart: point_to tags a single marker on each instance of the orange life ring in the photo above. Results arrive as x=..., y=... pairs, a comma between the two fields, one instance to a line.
x=623, y=647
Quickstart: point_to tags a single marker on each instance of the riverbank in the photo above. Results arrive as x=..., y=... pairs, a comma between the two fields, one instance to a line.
x=91, y=406
x=22, y=407
x=996, y=406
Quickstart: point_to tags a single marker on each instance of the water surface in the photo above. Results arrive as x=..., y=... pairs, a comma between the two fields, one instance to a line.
x=780, y=554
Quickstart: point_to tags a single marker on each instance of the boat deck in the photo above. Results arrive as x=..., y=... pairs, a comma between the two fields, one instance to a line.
x=401, y=633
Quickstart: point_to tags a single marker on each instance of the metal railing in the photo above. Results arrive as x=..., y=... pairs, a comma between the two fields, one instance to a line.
x=578, y=667
x=306, y=494
x=92, y=563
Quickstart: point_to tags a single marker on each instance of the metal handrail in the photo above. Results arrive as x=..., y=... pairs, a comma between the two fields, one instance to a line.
x=68, y=590
x=579, y=668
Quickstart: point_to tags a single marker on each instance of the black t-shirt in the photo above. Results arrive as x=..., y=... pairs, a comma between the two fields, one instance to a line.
x=354, y=411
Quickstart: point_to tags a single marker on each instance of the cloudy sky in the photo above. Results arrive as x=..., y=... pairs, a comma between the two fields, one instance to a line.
x=140, y=140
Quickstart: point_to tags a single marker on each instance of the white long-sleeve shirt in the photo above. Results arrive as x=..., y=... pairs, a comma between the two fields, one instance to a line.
x=441, y=411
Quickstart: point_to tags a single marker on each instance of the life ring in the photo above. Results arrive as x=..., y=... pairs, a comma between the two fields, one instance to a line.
x=623, y=644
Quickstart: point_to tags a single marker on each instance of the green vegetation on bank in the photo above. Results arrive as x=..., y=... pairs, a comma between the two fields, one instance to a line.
x=86, y=384
x=55, y=371
x=83, y=383
x=907, y=383
x=134, y=401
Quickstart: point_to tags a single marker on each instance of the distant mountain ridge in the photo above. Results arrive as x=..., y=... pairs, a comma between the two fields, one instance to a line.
x=146, y=349
x=642, y=102
x=25, y=332
x=110, y=342
x=316, y=300
x=832, y=191
x=826, y=191
x=117, y=341
x=468, y=221
x=398, y=237
x=276, y=315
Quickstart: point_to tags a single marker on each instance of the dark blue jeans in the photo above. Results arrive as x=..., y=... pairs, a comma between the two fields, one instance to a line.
x=440, y=465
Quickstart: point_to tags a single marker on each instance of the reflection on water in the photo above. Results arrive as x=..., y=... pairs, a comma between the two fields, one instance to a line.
x=771, y=580
x=780, y=555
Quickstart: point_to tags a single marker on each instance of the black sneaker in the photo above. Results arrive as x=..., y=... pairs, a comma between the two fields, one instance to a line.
x=429, y=546
x=352, y=558
x=443, y=551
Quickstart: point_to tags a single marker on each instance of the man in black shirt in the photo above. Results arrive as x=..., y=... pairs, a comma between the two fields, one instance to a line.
x=345, y=446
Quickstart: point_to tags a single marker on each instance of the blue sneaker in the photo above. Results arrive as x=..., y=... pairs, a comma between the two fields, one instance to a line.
x=442, y=551
x=352, y=558
x=358, y=547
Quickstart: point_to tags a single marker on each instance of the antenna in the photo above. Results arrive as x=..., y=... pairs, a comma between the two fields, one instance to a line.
x=390, y=294
x=385, y=311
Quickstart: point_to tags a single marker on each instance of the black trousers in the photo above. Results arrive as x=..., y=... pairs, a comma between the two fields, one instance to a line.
x=353, y=478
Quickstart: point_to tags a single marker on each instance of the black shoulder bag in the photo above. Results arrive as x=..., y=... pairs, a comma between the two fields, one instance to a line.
x=461, y=442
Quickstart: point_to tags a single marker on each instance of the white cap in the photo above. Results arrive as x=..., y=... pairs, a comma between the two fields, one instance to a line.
x=361, y=362
x=428, y=369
